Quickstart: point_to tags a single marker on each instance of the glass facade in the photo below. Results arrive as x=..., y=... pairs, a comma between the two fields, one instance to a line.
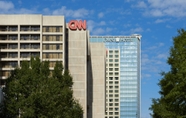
x=129, y=75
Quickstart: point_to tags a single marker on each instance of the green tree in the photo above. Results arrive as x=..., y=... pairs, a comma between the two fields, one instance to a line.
x=172, y=101
x=31, y=92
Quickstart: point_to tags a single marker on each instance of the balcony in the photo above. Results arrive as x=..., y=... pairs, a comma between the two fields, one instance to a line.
x=30, y=28
x=9, y=38
x=30, y=38
x=29, y=46
x=27, y=55
x=8, y=65
x=8, y=28
x=8, y=47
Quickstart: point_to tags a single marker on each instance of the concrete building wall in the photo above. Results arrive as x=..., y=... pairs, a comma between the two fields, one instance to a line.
x=27, y=32
x=20, y=19
x=53, y=21
x=97, y=83
x=77, y=65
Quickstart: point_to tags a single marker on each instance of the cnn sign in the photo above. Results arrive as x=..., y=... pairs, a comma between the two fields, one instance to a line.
x=74, y=25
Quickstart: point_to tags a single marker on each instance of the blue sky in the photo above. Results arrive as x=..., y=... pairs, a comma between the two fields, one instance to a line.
x=156, y=20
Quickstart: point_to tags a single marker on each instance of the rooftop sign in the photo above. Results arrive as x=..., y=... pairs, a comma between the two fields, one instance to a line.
x=118, y=40
x=74, y=25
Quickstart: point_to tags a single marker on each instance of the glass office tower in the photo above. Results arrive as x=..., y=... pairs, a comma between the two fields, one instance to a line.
x=123, y=71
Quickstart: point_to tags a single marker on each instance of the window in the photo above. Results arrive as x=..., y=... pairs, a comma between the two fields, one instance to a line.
x=116, y=60
x=110, y=91
x=110, y=87
x=110, y=56
x=12, y=28
x=110, y=100
x=35, y=28
x=116, y=65
x=116, y=51
x=110, y=82
x=13, y=55
x=110, y=104
x=116, y=113
x=57, y=47
x=13, y=64
x=110, y=69
x=57, y=38
x=13, y=37
x=110, y=60
x=110, y=95
x=110, y=64
x=35, y=37
x=57, y=29
x=116, y=69
x=47, y=55
x=116, y=87
x=110, y=73
x=47, y=46
x=110, y=78
x=35, y=46
x=116, y=100
x=47, y=38
x=25, y=55
x=47, y=29
x=34, y=54
x=116, y=95
x=116, y=56
x=13, y=46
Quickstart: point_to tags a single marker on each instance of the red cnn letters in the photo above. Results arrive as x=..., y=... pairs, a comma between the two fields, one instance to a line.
x=74, y=25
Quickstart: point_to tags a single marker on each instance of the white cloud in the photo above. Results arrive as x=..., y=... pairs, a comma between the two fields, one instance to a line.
x=162, y=56
x=79, y=13
x=168, y=26
x=129, y=0
x=25, y=11
x=166, y=3
x=46, y=10
x=161, y=20
x=5, y=5
x=8, y=8
x=108, y=29
x=96, y=28
x=91, y=24
x=102, y=23
x=127, y=25
x=159, y=8
x=153, y=60
x=140, y=4
x=161, y=44
x=20, y=2
x=148, y=29
x=146, y=76
x=136, y=30
x=100, y=15
x=98, y=31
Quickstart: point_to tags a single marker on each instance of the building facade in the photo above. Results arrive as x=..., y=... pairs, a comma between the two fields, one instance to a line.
x=122, y=75
x=105, y=70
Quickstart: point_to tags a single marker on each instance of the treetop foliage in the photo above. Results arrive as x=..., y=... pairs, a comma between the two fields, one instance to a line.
x=34, y=91
x=172, y=103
